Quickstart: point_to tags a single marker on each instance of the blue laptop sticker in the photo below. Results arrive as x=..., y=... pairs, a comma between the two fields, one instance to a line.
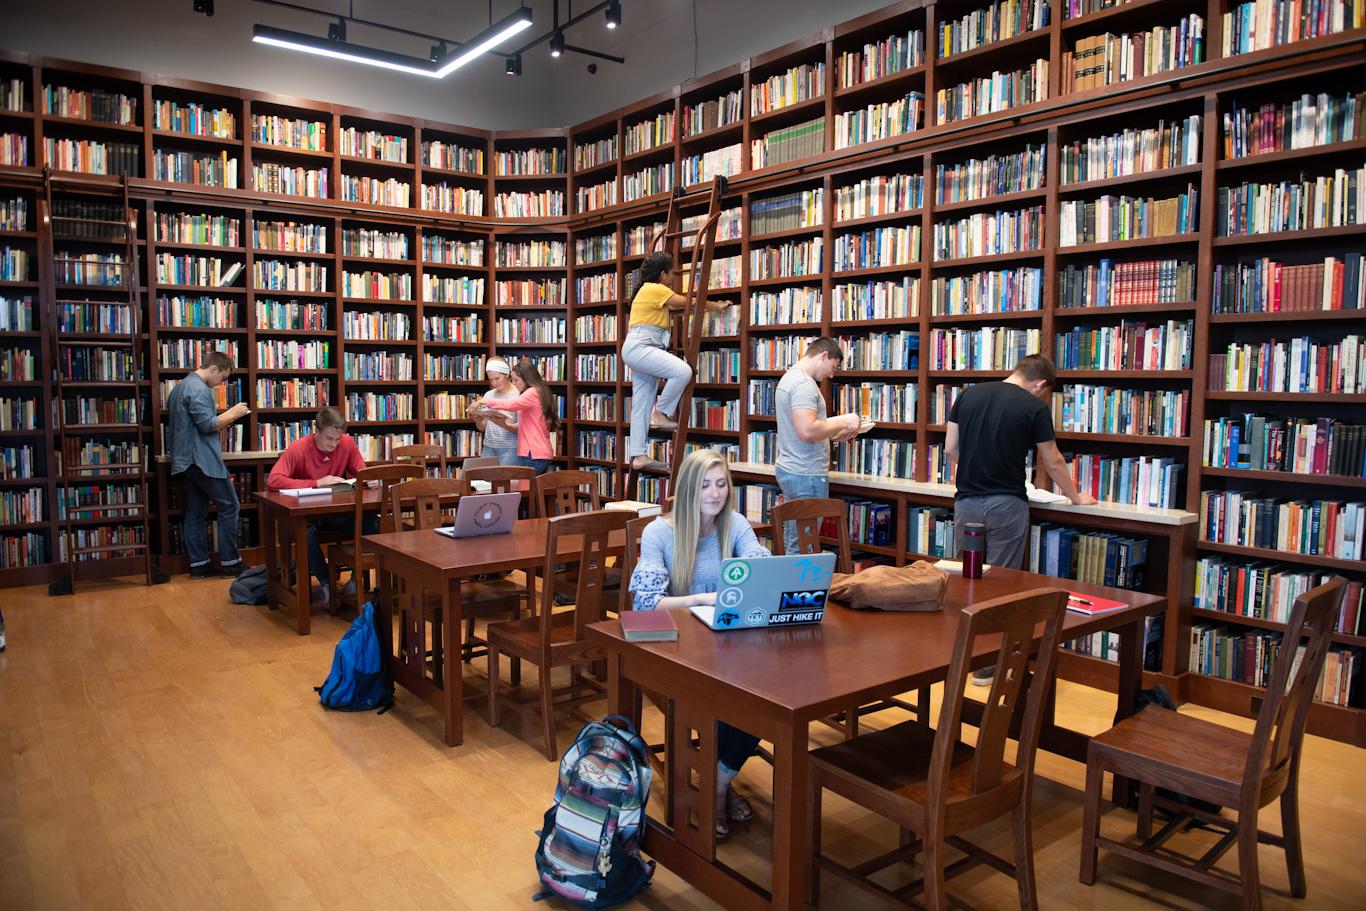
x=725, y=619
x=811, y=572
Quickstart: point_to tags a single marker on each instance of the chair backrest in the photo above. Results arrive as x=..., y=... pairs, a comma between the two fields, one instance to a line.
x=425, y=454
x=1015, y=618
x=507, y=479
x=387, y=476
x=1294, y=677
x=596, y=528
x=809, y=515
x=559, y=493
x=635, y=530
x=427, y=499
x=478, y=462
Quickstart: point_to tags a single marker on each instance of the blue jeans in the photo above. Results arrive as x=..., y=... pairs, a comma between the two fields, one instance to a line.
x=200, y=490
x=506, y=455
x=799, y=487
x=317, y=560
x=541, y=466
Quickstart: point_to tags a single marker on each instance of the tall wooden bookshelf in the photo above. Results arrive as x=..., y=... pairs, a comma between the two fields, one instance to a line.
x=609, y=213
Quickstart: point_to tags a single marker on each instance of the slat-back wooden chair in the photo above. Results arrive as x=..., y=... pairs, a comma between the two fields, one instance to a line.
x=427, y=455
x=934, y=786
x=343, y=555
x=478, y=462
x=1207, y=761
x=556, y=639
x=509, y=479
x=809, y=516
x=559, y=493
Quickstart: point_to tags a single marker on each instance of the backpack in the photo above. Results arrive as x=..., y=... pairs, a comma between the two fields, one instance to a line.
x=589, y=851
x=249, y=587
x=357, y=682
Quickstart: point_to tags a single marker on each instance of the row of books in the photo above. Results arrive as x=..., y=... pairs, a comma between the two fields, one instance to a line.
x=1308, y=446
x=939, y=468
x=877, y=60
x=991, y=291
x=84, y=452
x=992, y=94
x=461, y=443
x=18, y=414
x=889, y=351
x=1118, y=218
x=187, y=353
x=870, y=522
x=18, y=364
x=887, y=402
x=90, y=156
x=879, y=120
x=19, y=463
x=22, y=506
x=1128, y=412
x=1111, y=283
x=761, y=447
x=271, y=177
x=95, y=364
x=797, y=84
x=1267, y=591
x=89, y=104
x=92, y=318
x=994, y=175
x=377, y=285
x=875, y=456
x=14, y=215
x=295, y=275
x=1260, y=24
x=16, y=314
x=13, y=94
x=288, y=354
x=793, y=258
x=289, y=132
x=871, y=300
x=529, y=293
x=1128, y=346
x=994, y=22
x=14, y=149
x=602, y=368
x=595, y=289
x=373, y=191
x=715, y=414
x=593, y=152
x=595, y=249
x=879, y=195
x=1301, y=123
x=282, y=393
x=1249, y=656
x=376, y=326
x=1100, y=558
x=703, y=166
x=104, y=269
x=529, y=204
x=289, y=236
x=377, y=406
x=1330, y=201
x=1323, y=528
x=210, y=271
x=986, y=348
x=450, y=406
x=1171, y=144
x=789, y=212
x=990, y=233
x=450, y=367
x=776, y=352
x=597, y=444
x=599, y=196
x=445, y=289
x=542, y=330
x=595, y=406
x=451, y=156
x=1107, y=59
x=1267, y=286
x=442, y=197
x=530, y=254
x=372, y=243
x=197, y=228
x=785, y=307
x=15, y=264
x=648, y=181
x=713, y=114
x=86, y=409
x=930, y=532
x=292, y=315
x=527, y=162
x=372, y=144
x=1147, y=481
x=468, y=329
x=649, y=133
x=876, y=248
x=788, y=144
x=1298, y=365
x=452, y=251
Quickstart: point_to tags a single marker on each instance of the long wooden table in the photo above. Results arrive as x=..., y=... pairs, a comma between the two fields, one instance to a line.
x=774, y=682
x=438, y=564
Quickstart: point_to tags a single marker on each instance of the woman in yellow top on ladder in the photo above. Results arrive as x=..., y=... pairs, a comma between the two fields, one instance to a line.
x=646, y=352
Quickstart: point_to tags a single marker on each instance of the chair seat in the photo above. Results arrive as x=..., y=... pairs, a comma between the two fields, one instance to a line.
x=1201, y=758
x=897, y=761
x=523, y=637
x=497, y=597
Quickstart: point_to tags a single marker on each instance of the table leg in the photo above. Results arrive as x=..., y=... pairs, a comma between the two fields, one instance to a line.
x=623, y=696
x=303, y=582
x=384, y=610
x=1130, y=682
x=269, y=539
x=453, y=670
x=791, y=828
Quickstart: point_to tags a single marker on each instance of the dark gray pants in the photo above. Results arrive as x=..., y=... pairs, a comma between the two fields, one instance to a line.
x=1007, y=522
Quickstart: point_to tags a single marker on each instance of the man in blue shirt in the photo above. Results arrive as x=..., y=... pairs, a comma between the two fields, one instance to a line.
x=196, y=457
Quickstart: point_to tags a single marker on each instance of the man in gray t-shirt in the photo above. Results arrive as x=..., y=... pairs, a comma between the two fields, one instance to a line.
x=804, y=432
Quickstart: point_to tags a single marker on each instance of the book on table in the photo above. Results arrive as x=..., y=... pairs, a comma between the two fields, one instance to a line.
x=648, y=626
x=307, y=491
x=956, y=566
x=1092, y=605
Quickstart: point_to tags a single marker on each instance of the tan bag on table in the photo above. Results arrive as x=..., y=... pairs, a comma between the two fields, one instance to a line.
x=917, y=587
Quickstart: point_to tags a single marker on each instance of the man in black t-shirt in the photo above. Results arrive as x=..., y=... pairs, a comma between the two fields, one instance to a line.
x=992, y=427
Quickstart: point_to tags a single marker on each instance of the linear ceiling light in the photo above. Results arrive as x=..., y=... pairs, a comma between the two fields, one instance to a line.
x=432, y=69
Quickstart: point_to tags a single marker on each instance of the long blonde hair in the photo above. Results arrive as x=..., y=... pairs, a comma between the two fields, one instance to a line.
x=687, y=515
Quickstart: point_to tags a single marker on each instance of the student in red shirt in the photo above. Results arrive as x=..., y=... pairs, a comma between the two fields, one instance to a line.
x=537, y=414
x=324, y=457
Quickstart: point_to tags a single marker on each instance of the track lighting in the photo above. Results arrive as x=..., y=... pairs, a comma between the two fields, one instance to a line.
x=336, y=31
x=557, y=43
x=613, y=13
x=204, y=6
x=514, y=65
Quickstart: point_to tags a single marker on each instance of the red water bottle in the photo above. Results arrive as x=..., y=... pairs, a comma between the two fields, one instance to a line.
x=974, y=549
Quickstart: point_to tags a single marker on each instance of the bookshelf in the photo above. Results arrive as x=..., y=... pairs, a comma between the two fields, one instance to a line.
x=998, y=294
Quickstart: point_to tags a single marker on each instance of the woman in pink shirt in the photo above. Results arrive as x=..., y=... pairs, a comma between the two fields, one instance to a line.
x=537, y=416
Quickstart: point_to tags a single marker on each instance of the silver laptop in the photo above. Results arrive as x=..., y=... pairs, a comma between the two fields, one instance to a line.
x=483, y=514
x=770, y=591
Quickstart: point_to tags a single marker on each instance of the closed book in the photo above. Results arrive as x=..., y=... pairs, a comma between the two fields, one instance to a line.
x=648, y=626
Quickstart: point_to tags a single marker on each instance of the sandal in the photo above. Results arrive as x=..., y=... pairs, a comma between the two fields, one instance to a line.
x=722, y=824
x=738, y=809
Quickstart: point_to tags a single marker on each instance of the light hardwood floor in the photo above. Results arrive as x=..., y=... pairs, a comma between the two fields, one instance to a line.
x=163, y=748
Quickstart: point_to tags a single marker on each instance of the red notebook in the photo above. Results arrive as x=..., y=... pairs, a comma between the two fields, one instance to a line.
x=1091, y=604
x=648, y=626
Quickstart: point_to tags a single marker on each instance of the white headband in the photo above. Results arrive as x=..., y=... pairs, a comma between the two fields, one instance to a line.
x=498, y=367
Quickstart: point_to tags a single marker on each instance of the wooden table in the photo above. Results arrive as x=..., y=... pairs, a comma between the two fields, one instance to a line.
x=438, y=564
x=774, y=683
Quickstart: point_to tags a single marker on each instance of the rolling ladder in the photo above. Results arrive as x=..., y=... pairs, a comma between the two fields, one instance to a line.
x=691, y=322
x=126, y=350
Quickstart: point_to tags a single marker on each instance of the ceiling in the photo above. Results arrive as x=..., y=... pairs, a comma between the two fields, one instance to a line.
x=665, y=42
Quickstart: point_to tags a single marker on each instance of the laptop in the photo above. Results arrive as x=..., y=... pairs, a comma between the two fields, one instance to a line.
x=483, y=514
x=769, y=591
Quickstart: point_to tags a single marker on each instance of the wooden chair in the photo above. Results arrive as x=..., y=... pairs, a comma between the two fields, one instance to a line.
x=1200, y=759
x=431, y=503
x=509, y=479
x=478, y=462
x=559, y=493
x=808, y=516
x=343, y=555
x=934, y=786
x=424, y=454
x=550, y=640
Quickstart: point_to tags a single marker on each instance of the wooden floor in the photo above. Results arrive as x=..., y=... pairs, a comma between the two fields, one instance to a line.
x=163, y=748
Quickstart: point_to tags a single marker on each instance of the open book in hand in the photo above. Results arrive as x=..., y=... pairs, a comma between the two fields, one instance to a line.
x=1039, y=495
x=343, y=485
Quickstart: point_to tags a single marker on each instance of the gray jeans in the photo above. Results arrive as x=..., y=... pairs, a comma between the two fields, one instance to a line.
x=799, y=487
x=645, y=351
x=1007, y=522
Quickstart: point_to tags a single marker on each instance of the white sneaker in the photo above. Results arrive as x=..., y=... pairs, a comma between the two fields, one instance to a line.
x=983, y=676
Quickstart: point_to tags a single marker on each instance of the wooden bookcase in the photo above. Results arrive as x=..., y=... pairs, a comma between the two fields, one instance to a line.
x=453, y=196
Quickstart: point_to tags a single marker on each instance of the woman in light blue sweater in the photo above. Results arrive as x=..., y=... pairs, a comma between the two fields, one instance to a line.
x=680, y=566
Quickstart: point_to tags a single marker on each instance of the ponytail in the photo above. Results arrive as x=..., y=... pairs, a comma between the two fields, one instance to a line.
x=649, y=271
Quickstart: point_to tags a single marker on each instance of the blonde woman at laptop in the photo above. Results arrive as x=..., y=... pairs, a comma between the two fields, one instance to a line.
x=680, y=566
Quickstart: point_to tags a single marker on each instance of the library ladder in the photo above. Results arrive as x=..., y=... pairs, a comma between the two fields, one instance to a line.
x=693, y=317
x=119, y=343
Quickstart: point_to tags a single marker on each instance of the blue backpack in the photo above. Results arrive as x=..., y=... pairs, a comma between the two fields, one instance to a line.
x=357, y=681
x=589, y=852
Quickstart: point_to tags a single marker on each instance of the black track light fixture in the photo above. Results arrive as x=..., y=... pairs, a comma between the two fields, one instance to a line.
x=204, y=6
x=336, y=31
x=514, y=65
x=613, y=13
x=557, y=43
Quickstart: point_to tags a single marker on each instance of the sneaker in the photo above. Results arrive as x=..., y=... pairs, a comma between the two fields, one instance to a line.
x=350, y=589
x=204, y=571
x=983, y=676
x=233, y=570
x=322, y=595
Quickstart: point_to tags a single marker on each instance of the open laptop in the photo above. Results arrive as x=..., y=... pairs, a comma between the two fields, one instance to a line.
x=483, y=514
x=770, y=591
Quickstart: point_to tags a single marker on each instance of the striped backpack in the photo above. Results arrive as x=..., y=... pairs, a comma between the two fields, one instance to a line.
x=589, y=852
